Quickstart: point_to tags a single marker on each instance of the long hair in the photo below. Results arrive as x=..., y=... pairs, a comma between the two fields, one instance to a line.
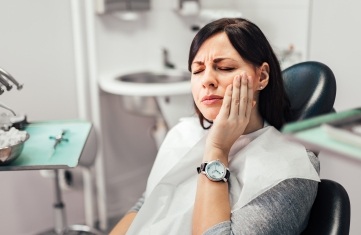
x=253, y=46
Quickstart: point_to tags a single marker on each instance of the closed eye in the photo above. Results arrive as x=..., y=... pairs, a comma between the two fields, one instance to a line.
x=198, y=71
x=226, y=68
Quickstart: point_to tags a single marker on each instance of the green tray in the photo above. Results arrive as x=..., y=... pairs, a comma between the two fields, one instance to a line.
x=38, y=152
x=311, y=134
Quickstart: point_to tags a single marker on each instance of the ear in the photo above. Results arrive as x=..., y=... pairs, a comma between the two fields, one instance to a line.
x=263, y=76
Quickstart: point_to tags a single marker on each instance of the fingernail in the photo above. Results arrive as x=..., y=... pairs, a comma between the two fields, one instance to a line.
x=253, y=103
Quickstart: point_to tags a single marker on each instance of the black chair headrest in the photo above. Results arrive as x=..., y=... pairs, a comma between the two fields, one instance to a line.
x=311, y=88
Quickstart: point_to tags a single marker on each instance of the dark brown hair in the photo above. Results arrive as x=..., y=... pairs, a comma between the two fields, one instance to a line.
x=253, y=46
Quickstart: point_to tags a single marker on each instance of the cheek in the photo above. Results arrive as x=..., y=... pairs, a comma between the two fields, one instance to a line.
x=195, y=96
x=227, y=80
x=195, y=89
x=223, y=82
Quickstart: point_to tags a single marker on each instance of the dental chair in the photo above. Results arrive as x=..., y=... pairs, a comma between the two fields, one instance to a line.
x=330, y=213
x=311, y=87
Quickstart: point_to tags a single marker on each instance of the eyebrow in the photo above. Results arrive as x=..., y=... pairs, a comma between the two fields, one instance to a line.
x=216, y=60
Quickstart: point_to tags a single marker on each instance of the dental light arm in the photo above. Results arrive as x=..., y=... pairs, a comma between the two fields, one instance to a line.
x=5, y=77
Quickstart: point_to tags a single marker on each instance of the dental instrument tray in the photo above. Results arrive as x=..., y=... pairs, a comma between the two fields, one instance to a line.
x=52, y=145
x=330, y=133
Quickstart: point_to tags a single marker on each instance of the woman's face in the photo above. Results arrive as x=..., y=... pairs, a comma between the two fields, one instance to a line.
x=213, y=69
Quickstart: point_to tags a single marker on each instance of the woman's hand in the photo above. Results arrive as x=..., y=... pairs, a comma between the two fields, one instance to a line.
x=233, y=116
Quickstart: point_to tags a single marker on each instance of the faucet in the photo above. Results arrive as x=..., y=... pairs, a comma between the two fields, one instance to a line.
x=166, y=62
x=4, y=77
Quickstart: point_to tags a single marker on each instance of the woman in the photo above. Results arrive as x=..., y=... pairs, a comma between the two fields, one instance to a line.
x=250, y=179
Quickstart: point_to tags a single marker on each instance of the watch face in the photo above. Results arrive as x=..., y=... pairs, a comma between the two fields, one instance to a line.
x=215, y=170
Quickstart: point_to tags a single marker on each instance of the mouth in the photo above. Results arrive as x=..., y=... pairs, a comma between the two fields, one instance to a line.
x=211, y=99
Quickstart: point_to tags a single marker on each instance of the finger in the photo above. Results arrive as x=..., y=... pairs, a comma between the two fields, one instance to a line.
x=235, y=97
x=244, y=96
x=226, y=104
x=250, y=102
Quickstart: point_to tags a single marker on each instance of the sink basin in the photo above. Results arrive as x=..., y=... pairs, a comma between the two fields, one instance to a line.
x=154, y=77
x=142, y=89
x=147, y=83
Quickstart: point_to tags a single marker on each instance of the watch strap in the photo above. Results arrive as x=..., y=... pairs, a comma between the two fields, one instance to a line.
x=202, y=167
x=228, y=174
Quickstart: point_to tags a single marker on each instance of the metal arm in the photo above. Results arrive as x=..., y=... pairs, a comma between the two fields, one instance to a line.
x=5, y=83
x=5, y=74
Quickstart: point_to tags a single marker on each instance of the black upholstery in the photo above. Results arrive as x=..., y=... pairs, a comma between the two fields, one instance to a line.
x=330, y=214
x=311, y=88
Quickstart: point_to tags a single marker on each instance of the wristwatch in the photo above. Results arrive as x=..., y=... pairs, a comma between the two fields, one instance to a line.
x=214, y=170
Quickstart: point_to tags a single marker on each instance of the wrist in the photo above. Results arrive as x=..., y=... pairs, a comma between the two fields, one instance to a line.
x=216, y=154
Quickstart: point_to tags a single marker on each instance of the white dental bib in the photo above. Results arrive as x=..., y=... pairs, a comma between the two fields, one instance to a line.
x=257, y=162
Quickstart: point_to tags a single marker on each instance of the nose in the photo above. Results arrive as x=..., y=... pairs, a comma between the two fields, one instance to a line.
x=209, y=79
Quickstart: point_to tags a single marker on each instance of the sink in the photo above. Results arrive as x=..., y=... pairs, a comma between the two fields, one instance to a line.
x=154, y=77
x=142, y=89
x=162, y=94
x=146, y=82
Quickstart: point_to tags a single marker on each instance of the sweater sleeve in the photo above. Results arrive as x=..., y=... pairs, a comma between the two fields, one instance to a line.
x=283, y=209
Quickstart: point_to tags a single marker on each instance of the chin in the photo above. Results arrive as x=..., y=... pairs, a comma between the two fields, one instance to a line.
x=210, y=113
x=210, y=116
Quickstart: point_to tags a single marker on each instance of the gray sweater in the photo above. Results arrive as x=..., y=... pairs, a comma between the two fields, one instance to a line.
x=283, y=209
